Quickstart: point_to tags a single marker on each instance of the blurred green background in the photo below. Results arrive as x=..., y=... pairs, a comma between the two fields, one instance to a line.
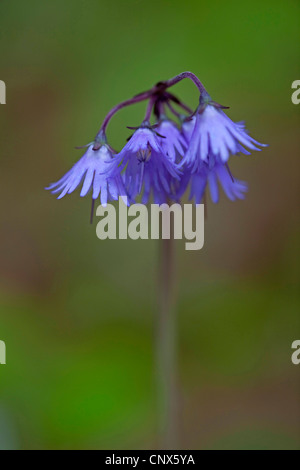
x=78, y=314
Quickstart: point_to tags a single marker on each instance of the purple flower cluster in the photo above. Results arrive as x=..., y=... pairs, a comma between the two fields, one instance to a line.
x=160, y=161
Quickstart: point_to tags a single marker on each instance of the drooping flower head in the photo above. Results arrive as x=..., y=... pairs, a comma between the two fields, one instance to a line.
x=212, y=133
x=92, y=170
x=149, y=168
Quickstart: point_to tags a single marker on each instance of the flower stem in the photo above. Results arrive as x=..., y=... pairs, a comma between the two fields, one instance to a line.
x=149, y=110
x=173, y=110
x=180, y=104
x=191, y=76
x=153, y=94
x=136, y=99
x=166, y=349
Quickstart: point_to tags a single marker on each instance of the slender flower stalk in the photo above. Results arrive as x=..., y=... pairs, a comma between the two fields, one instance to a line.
x=171, y=108
x=191, y=76
x=167, y=375
x=101, y=135
x=149, y=94
x=149, y=110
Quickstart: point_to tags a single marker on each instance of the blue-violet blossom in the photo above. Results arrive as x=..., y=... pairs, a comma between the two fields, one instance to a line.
x=92, y=169
x=215, y=134
x=148, y=168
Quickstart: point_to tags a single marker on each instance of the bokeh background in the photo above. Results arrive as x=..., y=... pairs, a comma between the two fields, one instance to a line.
x=78, y=314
